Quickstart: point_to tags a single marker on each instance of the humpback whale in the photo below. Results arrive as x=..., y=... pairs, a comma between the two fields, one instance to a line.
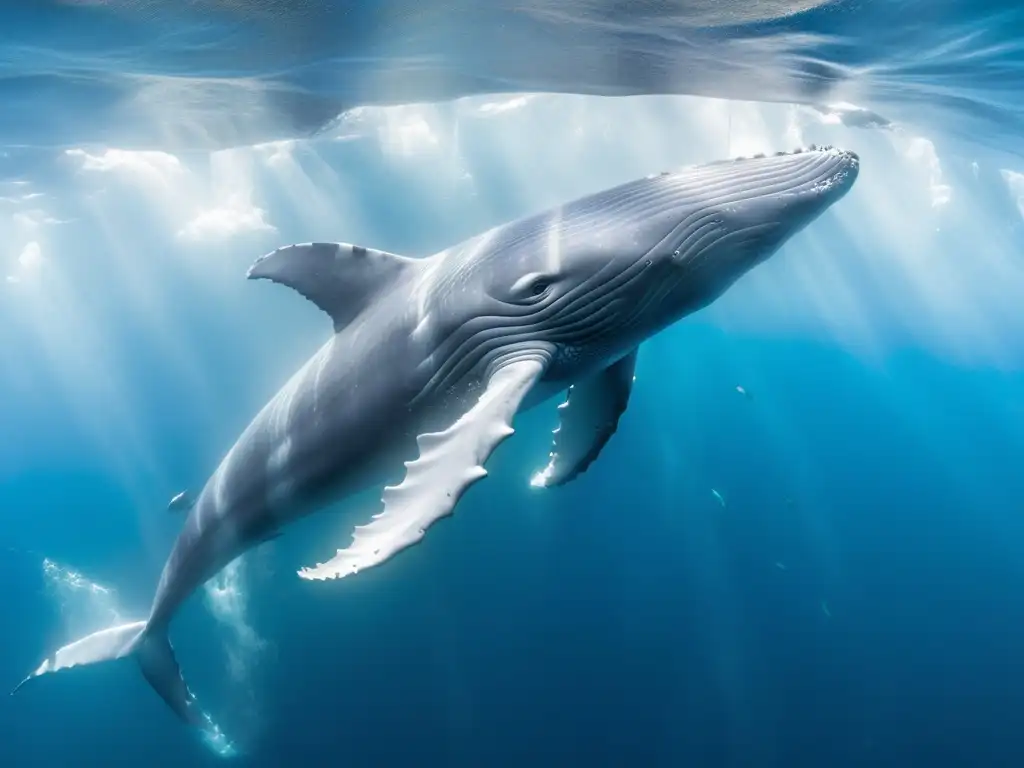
x=431, y=359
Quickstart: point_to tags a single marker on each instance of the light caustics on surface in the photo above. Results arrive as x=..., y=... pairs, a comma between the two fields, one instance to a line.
x=213, y=74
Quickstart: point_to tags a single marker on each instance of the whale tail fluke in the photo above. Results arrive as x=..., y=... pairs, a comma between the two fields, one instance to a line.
x=160, y=667
x=106, y=645
x=150, y=648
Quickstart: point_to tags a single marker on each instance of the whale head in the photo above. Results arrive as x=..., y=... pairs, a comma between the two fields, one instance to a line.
x=705, y=227
x=594, y=277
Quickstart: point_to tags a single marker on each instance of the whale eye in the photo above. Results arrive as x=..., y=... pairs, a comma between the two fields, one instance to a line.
x=532, y=287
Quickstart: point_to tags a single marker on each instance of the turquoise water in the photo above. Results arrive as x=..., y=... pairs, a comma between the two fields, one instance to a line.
x=213, y=73
x=824, y=570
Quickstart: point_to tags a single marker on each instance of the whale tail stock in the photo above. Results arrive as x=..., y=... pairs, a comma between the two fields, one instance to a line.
x=151, y=649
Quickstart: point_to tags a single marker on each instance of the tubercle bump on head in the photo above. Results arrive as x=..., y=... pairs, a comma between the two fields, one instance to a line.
x=823, y=148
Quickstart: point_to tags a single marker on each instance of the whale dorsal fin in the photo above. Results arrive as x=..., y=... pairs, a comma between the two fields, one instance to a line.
x=340, y=278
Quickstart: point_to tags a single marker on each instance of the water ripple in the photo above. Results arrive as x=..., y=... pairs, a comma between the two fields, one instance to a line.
x=216, y=73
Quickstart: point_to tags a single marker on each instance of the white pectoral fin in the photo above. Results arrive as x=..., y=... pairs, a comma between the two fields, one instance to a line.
x=587, y=420
x=449, y=462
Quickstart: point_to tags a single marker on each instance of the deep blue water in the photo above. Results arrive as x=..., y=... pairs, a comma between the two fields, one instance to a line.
x=855, y=601
x=629, y=619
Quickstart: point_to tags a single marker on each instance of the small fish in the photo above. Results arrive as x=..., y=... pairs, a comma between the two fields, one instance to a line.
x=183, y=502
x=781, y=566
x=744, y=392
x=718, y=496
x=825, y=610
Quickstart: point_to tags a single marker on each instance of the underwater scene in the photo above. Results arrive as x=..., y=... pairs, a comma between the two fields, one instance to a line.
x=508, y=383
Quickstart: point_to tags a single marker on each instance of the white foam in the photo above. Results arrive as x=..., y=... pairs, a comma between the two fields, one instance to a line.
x=85, y=605
x=228, y=602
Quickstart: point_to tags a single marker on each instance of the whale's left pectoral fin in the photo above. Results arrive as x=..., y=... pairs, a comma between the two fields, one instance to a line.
x=587, y=420
x=449, y=462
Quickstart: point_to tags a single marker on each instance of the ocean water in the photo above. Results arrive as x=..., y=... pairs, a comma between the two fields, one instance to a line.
x=823, y=569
